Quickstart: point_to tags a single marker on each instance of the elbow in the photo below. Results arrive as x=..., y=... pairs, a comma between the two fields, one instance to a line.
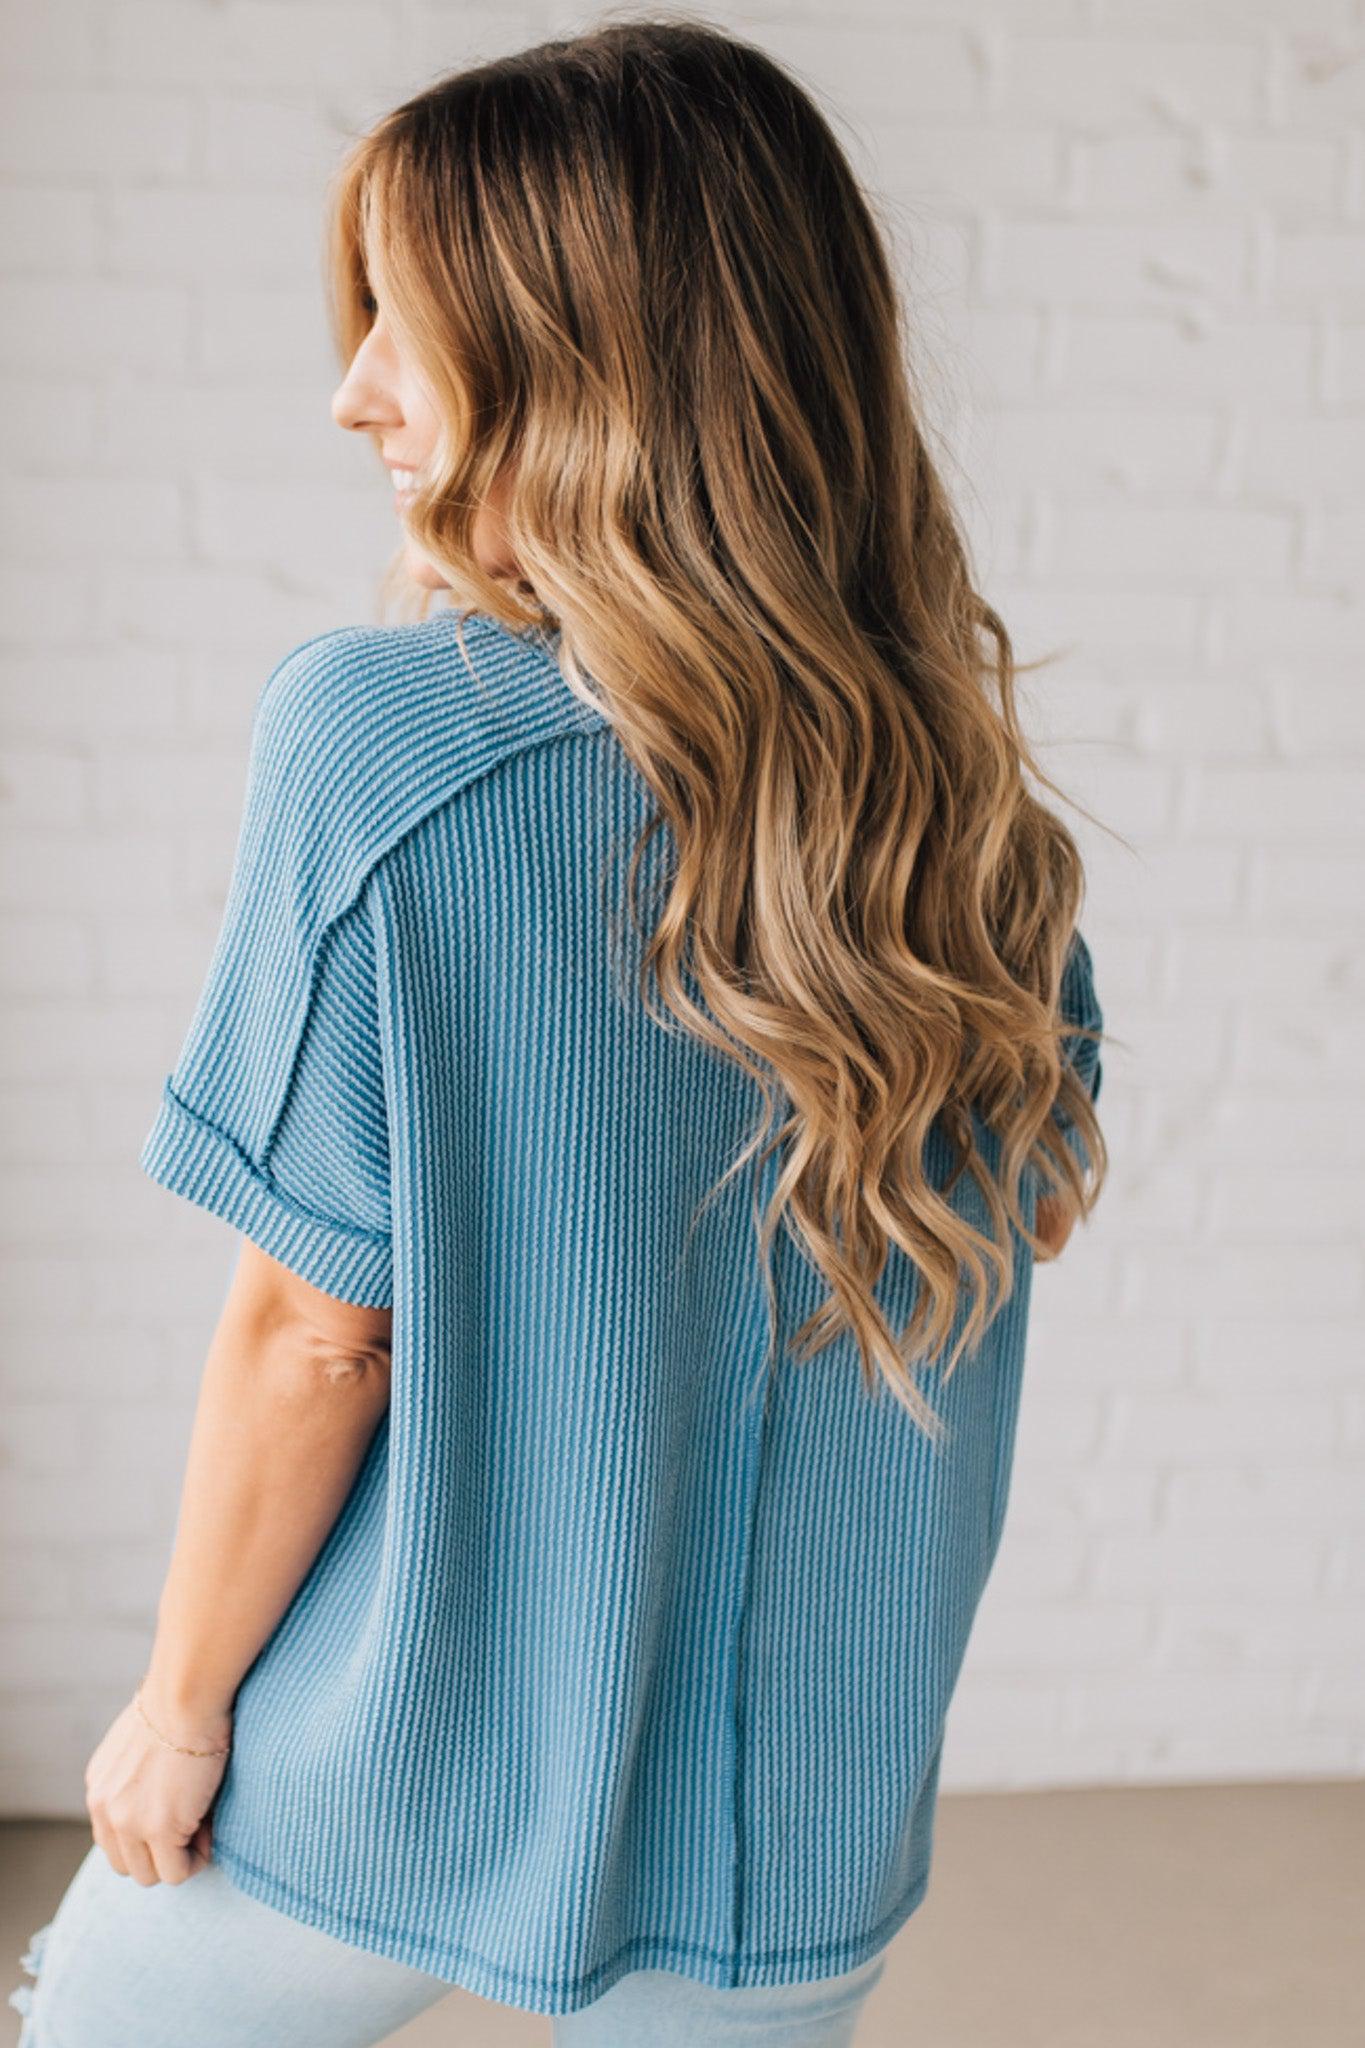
x=310, y=1377
x=343, y=1341
x=348, y=1350
x=359, y=1367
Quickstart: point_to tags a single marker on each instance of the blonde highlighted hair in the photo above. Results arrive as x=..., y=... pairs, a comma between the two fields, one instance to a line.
x=652, y=304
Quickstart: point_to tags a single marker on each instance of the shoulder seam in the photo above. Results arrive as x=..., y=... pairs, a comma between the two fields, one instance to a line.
x=348, y=845
x=319, y=942
x=591, y=728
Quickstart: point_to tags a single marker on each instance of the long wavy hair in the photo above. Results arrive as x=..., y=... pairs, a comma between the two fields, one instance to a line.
x=650, y=300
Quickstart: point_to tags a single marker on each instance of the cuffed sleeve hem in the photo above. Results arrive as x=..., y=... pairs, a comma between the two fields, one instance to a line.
x=191, y=1157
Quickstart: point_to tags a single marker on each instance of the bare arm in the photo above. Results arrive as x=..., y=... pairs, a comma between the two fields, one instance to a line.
x=293, y=1388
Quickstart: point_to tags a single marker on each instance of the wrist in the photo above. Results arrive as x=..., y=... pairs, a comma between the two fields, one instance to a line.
x=184, y=1713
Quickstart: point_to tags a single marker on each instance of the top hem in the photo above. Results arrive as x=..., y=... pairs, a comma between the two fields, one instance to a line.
x=465, y=1970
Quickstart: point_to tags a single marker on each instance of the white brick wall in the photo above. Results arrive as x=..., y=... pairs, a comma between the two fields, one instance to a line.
x=1133, y=236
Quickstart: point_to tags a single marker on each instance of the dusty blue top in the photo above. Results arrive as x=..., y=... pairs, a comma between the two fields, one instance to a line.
x=617, y=1657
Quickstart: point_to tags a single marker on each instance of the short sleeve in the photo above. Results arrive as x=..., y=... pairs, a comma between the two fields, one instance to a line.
x=274, y=1116
x=1080, y=1006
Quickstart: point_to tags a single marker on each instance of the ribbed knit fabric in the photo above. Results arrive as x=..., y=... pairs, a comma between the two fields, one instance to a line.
x=617, y=1657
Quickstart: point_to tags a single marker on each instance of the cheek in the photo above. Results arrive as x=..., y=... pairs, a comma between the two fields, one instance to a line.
x=420, y=418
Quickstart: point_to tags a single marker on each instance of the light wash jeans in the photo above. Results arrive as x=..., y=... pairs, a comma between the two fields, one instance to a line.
x=125, y=1965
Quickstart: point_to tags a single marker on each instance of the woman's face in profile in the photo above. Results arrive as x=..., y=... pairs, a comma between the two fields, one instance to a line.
x=382, y=395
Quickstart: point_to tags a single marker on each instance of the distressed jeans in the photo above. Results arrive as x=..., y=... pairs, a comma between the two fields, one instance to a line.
x=124, y=1965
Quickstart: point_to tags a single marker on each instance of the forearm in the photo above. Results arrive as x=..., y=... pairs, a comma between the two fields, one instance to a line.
x=281, y=1428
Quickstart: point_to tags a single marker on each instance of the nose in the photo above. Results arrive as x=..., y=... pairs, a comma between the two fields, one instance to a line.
x=355, y=409
x=359, y=402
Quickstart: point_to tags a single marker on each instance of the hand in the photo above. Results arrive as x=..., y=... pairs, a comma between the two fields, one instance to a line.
x=149, y=1805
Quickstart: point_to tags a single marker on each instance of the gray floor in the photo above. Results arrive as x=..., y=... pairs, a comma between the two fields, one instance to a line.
x=1183, y=1917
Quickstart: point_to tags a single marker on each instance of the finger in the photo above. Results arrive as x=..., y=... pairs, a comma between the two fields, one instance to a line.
x=108, y=1841
x=172, y=1860
x=138, y=1858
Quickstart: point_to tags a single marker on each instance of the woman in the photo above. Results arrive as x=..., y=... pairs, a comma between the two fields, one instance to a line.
x=574, y=1566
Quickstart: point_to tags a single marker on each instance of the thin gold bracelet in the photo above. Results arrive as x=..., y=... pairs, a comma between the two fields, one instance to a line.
x=137, y=1702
